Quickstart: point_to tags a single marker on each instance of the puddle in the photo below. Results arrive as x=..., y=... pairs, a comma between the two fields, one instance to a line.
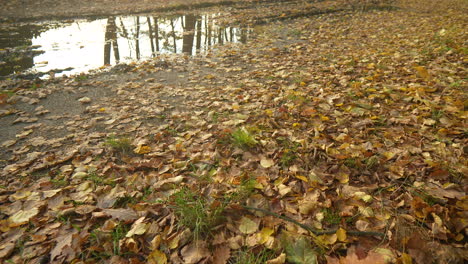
x=76, y=46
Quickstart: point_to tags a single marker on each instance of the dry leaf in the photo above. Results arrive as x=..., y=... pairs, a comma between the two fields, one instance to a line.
x=266, y=163
x=247, y=226
x=157, y=257
x=194, y=252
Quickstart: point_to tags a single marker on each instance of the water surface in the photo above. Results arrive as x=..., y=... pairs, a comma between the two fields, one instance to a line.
x=74, y=46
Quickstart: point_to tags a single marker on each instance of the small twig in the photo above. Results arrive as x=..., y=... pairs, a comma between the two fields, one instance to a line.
x=311, y=229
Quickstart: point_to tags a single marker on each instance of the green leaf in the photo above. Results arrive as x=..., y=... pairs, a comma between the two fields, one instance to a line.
x=301, y=252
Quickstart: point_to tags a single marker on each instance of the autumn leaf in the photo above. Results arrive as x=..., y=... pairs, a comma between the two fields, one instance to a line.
x=301, y=252
x=422, y=72
x=341, y=234
x=157, y=257
x=142, y=149
x=194, y=252
x=351, y=258
x=281, y=259
x=247, y=226
x=221, y=255
x=266, y=163
x=22, y=217
x=138, y=228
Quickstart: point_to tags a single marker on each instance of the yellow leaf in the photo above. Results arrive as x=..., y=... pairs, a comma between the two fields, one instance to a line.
x=269, y=112
x=389, y=155
x=248, y=226
x=422, y=72
x=366, y=211
x=341, y=234
x=279, y=260
x=102, y=109
x=265, y=234
x=328, y=239
x=302, y=178
x=157, y=257
x=266, y=163
x=430, y=89
x=22, y=217
x=406, y=259
x=138, y=228
x=343, y=177
x=142, y=149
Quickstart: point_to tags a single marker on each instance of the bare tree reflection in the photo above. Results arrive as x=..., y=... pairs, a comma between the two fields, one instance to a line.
x=137, y=38
x=199, y=33
x=156, y=33
x=243, y=35
x=150, y=32
x=111, y=40
x=189, y=34
x=174, y=35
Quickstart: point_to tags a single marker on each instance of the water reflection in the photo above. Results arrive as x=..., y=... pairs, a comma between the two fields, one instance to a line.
x=88, y=44
x=111, y=40
x=16, y=47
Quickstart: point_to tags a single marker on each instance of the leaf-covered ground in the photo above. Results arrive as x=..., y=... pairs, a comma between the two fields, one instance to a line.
x=335, y=138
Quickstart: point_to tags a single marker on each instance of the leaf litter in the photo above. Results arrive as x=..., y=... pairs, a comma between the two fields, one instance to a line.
x=346, y=131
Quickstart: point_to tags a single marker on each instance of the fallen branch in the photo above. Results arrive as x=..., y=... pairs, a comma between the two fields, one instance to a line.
x=311, y=229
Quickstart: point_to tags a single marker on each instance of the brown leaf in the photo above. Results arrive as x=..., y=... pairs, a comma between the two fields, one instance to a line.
x=221, y=254
x=121, y=214
x=352, y=258
x=194, y=252
x=8, y=244
x=63, y=242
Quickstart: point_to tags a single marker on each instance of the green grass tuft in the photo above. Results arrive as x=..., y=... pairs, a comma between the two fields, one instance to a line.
x=243, y=138
x=122, y=144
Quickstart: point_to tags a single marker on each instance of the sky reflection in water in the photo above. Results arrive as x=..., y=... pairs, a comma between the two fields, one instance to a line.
x=89, y=44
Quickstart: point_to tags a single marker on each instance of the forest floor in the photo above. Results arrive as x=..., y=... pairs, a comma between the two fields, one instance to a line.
x=335, y=135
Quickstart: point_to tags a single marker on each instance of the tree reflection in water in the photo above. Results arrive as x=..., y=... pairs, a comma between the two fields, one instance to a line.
x=126, y=38
x=111, y=40
x=191, y=34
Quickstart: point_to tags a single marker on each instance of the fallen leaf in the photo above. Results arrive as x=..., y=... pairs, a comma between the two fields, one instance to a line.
x=157, y=257
x=266, y=163
x=22, y=217
x=194, y=252
x=301, y=252
x=84, y=100
x=341, y=234
x=142, y=149
x=121, y=214
x=221, y=255
x=247, y=226
x=138, y=228
x=278, y=260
